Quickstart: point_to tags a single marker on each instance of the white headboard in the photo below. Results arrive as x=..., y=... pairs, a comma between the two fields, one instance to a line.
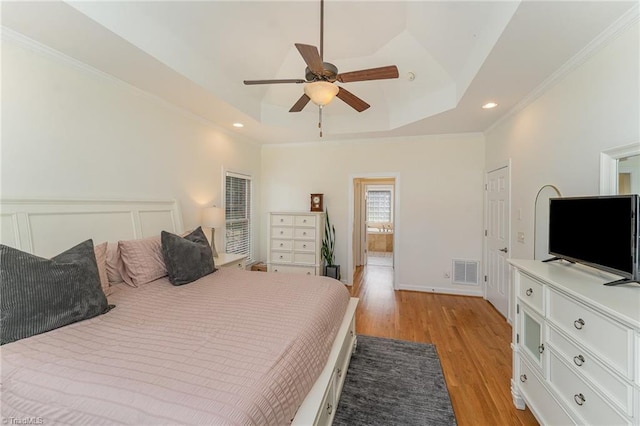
x=48, y=227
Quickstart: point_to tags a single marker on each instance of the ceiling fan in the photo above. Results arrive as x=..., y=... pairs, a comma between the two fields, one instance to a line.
x=320, y=78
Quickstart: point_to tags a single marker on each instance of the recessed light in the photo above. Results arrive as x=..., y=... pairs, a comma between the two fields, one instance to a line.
x=238, y=125
x=489, y=105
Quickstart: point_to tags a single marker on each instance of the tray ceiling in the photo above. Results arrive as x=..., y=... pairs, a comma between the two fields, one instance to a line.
x=196, y=55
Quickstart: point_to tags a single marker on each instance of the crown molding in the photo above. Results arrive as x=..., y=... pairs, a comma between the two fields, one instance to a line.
x=7, y=34
x=613, y=31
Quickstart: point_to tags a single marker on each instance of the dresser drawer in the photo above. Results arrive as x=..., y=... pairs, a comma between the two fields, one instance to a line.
x=531, y=292
x=239, y=264
x=281, y=257
x=580, y=397
x=583, y=363
x=305, y=246
x=281, y=220
x=305, y=221
x=281, y=244
x=539, y=399
x=279, y=232
x=305, y=233
x=289, y=269
x=638, y=367
x=601, y=335
x=306, y=258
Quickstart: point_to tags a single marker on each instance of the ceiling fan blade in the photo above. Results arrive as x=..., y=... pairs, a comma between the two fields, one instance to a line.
x=352, y=100
x=311, y=57
x=289, y=80
x=381, y=73
x=300, y=104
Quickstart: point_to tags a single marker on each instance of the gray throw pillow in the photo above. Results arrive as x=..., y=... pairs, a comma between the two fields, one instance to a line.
x=188, y=258
x=39, y=295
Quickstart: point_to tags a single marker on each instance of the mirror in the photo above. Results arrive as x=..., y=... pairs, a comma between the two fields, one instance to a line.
x=619, y=167
x=541, y=221
x=629, y=175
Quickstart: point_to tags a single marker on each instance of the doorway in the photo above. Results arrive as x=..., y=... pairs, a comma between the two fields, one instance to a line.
x=497, y=239
x=375, y=206
x=378, y=216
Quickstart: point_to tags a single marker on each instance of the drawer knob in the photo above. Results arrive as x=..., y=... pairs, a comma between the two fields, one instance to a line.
x=529, y=291
x=523, y=378
x=339, y=372
x=281, y=244
x=281, y=220
x=304, y=233
x=281, y=232
x=308, y=273
x=579, y=323
x=280, y=256
x=579, y=398
x=275, y=270
x=304, y=221
x=304, y=246
x=578, y=360
x=329, y=408
x=541, y=348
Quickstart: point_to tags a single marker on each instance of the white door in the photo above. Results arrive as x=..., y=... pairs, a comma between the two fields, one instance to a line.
x=497, y=240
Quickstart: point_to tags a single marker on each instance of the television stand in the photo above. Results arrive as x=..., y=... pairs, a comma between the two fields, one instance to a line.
x=621, y=281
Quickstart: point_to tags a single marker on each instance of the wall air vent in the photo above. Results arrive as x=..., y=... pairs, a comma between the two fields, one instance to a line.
x=465, y=272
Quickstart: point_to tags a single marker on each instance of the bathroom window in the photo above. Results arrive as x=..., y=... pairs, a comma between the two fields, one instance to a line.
x=379, y=205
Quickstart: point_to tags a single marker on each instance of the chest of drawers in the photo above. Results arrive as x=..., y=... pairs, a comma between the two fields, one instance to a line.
x=576, y=345
x=295, y=242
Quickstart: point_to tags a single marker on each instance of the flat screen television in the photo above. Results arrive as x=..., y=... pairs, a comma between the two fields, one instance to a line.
x=599, y=231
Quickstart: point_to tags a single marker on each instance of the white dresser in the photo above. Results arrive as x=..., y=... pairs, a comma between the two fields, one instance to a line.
x=576, y=345
x=295, y=242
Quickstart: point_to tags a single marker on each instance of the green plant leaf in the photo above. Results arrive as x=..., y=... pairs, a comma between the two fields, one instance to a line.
x=328, y=241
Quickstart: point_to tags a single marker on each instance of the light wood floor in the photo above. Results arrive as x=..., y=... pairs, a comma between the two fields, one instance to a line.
x=471, y=337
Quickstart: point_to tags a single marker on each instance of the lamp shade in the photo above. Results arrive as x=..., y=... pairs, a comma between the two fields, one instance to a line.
x=213, y=217
x=321, y=92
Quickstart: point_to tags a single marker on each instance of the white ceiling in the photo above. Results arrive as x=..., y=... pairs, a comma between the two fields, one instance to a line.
x=196, y=54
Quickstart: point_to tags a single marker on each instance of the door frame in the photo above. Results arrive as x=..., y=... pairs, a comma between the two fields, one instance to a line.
x=396, y=225
x=494, y=167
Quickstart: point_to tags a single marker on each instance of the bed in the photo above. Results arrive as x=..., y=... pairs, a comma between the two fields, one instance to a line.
x=233, y=347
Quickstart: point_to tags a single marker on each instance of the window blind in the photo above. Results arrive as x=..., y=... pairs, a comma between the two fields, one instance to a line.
x=238, y=214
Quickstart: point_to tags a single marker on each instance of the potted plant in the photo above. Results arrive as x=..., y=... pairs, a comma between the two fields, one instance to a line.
x=328, y=245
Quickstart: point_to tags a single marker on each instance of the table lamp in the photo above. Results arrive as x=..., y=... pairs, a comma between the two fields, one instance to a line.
x=213, y=217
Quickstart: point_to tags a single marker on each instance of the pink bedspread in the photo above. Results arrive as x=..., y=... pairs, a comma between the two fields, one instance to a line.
x=235, y=347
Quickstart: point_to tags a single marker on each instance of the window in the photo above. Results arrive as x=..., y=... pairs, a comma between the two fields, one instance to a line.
x=238, y=214
x=379, y=205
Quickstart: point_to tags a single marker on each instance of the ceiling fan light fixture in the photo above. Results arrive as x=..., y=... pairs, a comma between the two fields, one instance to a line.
x=321, y=92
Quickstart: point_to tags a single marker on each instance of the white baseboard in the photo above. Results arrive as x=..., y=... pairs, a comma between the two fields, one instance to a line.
x=475, y=291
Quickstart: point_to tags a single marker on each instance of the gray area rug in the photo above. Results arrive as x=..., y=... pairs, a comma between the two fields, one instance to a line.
x=393, y=382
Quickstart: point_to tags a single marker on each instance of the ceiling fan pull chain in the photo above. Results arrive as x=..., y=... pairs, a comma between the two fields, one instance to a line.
x=320, y=119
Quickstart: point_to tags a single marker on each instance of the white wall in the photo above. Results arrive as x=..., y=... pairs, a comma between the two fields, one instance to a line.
x=72, y=133
x=439, y=216
x=558, y=138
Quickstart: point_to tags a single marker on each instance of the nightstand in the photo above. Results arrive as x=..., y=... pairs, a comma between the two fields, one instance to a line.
x=230, y=260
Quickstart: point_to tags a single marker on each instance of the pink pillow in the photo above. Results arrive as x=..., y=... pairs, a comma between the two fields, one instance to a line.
x=101, y=258
x=143, y=261
x=115, y=268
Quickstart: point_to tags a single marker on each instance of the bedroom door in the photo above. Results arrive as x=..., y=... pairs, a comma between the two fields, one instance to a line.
x=497, y=239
